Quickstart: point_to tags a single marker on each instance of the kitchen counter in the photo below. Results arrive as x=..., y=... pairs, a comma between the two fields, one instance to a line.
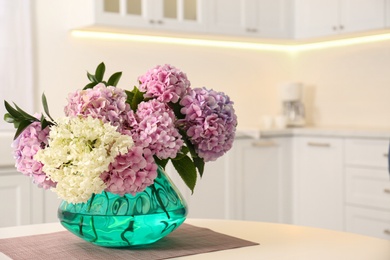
x=381, y=133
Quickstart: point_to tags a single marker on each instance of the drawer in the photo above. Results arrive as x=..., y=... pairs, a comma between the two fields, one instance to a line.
x=364, y=152
x=368, y=187
x=367, y=222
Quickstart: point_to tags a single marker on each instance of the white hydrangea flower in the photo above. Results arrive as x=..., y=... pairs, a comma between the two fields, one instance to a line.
x=79, y=150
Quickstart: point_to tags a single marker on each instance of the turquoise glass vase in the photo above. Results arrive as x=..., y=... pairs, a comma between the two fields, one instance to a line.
x=111, y=220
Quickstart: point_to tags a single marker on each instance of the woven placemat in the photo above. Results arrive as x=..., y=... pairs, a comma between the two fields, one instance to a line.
x=186, y=240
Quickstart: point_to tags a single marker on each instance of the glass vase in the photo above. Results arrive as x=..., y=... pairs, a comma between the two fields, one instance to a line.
x=111, y=220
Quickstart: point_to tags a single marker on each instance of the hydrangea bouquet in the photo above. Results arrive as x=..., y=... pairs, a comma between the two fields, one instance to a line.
x=113, y=139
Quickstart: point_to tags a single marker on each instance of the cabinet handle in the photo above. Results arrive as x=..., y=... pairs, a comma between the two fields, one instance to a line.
x=263, y=144
x=151, y=21
x=160, y=22
x=386, y=155
x=318, y=144
x=341, y=27
x=386, y=191
x=387, y=231
x=334, y=28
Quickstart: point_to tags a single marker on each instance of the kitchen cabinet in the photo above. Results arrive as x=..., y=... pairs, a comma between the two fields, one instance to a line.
x=261, y=179
x=250, y=182
x=367, y=187
x=252, y=18
x=315, y=18
x=172, y=15
x=318, y=182
x=15, y=198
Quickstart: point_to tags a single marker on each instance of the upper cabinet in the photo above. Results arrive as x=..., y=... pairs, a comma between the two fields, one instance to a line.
x=273, y=19
x=173, y=15
x=253, y=18
x=316, y=18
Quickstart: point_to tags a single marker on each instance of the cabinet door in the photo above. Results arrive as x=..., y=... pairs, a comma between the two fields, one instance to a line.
x=124, y=13
x=362, y=15
x=369, y=222
x=15, y=202
x=180, y=15
x=316, y=18
x=259, y=180
x=228, y=16
x=273, y=19
x=318, y=182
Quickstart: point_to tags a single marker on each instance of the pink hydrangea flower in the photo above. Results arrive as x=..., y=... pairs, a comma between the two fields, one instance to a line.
x=210, y=122
x=154, y=128
x=105, y=103
x=166, y=83
x=131, y=172
x=28, y=143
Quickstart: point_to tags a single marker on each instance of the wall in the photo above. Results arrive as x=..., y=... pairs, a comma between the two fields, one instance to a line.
x=345, y=86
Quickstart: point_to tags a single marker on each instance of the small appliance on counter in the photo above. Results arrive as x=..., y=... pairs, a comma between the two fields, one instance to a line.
x=293, y=108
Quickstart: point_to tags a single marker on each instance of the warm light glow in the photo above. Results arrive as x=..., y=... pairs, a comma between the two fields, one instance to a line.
x=231, y=44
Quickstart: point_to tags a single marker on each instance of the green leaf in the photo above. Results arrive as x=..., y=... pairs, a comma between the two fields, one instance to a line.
x=25, y=114
x=161, y=162
x=46, y=107
x=134, y=98
x=13, y=112
x=23, y=124
x=114, y=79
x=199, y=164
x=99, y=73
x=89, y=85
x=176, y=107
x=8, y=118
x=186, y=169
x=92, y=78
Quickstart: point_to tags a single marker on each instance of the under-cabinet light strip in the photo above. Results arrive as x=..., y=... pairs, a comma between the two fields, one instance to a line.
x=231, y=44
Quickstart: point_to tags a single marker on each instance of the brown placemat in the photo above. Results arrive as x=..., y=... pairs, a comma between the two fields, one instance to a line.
x=186, y=240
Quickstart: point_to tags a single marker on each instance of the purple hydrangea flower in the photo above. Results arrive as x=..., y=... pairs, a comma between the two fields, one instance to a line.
x=166, y=83
x=210, y=122
x=153, y=127
x=131, y=172
x=105, y=103
x=28, y=143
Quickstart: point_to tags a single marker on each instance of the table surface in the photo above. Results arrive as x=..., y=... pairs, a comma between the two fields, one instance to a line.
x=277, y=241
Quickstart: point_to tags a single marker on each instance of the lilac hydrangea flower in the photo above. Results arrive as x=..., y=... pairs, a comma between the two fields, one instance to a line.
x=131, y=172
x=153, y=127
x=166, y=83
x=210, y=122
x=105, y=103
x=28, y=143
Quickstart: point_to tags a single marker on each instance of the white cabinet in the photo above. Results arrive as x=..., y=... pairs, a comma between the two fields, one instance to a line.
x=318, y=182
x=250, y=182
x=315, y=18
x=253, y=18
x=367, y=187
x=15, y=199
x=261, y=179
x=172, y=15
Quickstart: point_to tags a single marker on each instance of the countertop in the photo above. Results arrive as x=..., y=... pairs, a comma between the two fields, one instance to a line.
x=352, y=132
x=276, y=241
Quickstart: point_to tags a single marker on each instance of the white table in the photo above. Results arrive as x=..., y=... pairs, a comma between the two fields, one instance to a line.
x=277, y=241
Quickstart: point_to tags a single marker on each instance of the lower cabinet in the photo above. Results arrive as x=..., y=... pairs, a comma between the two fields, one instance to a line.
x=367, y=221
x=367, y=187
x=15, y=199
x=250, y=182
x=318, y=182
x=261, y=180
